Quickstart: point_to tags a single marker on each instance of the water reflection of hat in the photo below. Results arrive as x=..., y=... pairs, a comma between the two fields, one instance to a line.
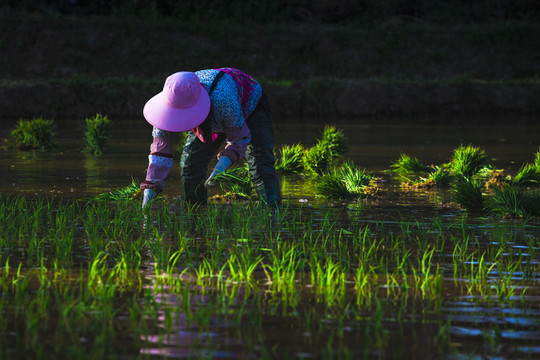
x=182, y=105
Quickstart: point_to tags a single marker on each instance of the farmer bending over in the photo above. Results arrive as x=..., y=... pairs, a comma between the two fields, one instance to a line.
x=212, y=105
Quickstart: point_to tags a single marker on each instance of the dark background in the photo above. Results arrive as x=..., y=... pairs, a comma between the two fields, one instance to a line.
x=316, y=59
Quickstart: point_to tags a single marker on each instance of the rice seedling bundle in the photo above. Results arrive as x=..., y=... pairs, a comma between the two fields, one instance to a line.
x=237, y=179
x=334, y=140
x=98, y=135
x=38, y=133
x=128, y=192
x=468, y=193
x=343, y=182
x=290, y=158
x=319, y=159
x=409, y=165
x=467, y=160
x=514, y=201
x=528, y=175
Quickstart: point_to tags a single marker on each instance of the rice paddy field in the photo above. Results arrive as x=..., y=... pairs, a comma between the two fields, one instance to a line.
x=390, y=269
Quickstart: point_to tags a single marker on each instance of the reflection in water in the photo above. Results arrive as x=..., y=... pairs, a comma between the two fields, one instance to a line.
x=373, y=145
x=191, y=323
x=94, y=172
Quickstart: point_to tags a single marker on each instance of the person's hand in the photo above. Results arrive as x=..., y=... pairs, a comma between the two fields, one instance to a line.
x=148, y=198
x=223, y=163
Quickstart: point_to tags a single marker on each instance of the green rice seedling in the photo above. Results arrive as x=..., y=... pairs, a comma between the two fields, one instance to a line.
x=98, y=135
x=467, y=160
x=468, y=193
x=129, y=192
x=528, y=175
x=355, y=179
x=331, y=186
x=289, y=158
x=242, y=264
x=237, y=179
x=283, y=271
x=38, y=134
x=334, y=140
x=317, y=159
x=327, y=279
x=409, y=165
x=440, y=177
x=514, y=201
x=536, y=161
x=343, y=182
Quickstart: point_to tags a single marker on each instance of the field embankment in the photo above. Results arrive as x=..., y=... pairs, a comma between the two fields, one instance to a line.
x=63, y=66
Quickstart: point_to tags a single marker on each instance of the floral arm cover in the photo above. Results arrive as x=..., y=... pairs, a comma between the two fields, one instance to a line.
x=160, y=161
x=237, y=141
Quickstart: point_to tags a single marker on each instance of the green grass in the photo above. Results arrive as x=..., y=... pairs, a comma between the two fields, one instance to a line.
x=38, y=133
x=97, y=135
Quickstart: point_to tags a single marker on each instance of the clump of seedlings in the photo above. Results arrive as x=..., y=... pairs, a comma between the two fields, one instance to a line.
x=514, y=201
x=237, y=180
x=289, y=158
x=417, y=175
x=467, y=160
x=469, y=194
x=316, y=160
x=527, y=176
x=320, y=158
x=334, y=140
x=409, y=165
x=343, y=182
x=129, y=192
x=506, y=195
x=98, y=135
x=38, y=133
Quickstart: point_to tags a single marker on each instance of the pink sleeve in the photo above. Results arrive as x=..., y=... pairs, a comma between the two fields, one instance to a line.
x=237, y=142
x=159, y=163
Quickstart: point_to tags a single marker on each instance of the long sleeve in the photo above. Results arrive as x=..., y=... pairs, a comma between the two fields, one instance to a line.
x=160, y=161
x=237, y=142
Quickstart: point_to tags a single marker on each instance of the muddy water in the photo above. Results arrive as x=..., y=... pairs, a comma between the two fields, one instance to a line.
x=373, y=144
x=411, y=329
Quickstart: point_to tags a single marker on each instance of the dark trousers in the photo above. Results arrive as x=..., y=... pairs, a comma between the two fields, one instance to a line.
x=196, y=156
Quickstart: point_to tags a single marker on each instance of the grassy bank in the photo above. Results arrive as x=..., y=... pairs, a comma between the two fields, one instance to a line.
x=66, y=66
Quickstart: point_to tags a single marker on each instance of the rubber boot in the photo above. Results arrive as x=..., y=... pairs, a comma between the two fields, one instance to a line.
x=195, y=193
x=269, y=193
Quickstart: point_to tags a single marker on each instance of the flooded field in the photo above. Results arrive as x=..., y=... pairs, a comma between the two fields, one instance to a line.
x=406, y=273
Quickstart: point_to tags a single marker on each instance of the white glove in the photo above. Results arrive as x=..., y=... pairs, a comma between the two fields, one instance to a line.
x=223, y=164
x=149, y=196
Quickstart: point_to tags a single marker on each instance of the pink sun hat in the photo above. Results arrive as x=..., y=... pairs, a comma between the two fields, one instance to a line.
x=182, y=105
